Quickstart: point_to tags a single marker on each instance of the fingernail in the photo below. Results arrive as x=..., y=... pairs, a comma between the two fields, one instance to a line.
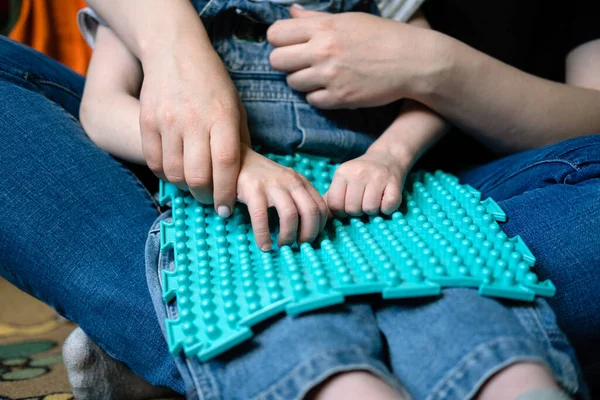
x=297, y=6
x=223, y=211
x=266, y=247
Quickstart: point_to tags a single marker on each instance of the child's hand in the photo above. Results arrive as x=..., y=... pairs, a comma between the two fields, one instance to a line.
x=263, y=183
x=368, y=184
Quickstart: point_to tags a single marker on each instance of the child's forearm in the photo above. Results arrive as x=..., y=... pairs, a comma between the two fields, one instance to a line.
x=414, y=131
x=417, y=127
x=112, y=122
x=109, y=110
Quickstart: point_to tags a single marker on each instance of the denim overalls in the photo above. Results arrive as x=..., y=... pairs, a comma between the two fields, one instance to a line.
x=279, y=118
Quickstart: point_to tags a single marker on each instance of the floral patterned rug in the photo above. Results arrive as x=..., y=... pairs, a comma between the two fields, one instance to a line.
x=31, y=338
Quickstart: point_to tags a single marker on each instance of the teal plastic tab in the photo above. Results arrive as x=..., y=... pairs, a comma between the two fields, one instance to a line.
x=166, y=192
x=507, y=292
x=169, y=285
x=522, y=248
x=493, y=208
x=223, y=284
x=406, y=290
x=167, y=236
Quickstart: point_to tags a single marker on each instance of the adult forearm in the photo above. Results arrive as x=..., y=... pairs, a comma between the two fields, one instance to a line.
x=151, y=27
x=506, y=108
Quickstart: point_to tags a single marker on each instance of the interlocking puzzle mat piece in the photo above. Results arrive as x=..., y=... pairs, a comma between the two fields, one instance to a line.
x=443, y=235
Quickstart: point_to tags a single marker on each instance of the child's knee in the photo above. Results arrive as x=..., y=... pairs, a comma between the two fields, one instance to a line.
x=355, y=385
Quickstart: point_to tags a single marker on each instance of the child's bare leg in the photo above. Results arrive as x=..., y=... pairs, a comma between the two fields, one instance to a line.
x=466, y=346
x=517, y=380
x=355, y=385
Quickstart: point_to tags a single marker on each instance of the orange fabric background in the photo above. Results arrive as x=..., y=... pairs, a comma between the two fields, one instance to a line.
x=50, y=26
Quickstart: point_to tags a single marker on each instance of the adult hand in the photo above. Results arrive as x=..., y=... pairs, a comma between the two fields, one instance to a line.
x=351, y=60
x=191, y=120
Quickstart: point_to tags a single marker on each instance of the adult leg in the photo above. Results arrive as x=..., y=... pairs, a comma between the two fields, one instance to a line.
x=551, y=197
x=73, y=221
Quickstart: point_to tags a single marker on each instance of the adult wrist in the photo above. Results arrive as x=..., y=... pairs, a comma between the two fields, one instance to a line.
x=445, y=58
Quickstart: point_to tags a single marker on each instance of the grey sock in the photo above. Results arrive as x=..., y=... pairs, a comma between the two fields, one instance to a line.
x=545, y=394
x=94, y=375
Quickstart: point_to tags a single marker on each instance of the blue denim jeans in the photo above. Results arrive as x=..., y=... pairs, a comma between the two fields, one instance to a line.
x=436, y=348
x=427, y=348
x=74, y=221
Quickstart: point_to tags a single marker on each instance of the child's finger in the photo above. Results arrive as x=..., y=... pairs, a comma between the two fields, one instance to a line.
x=288, y=215
x=354, y=197
x=320, y=201
x=371, y=202
x=336, y=196
x=310, y=215
x=257, y=208
x=392, y=198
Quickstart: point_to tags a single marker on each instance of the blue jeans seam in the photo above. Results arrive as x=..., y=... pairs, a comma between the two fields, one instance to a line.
x=140, y=185
x=297, y=125
x=40, y=81
x=199, y=392
x=10, y=70
x=540, y=325
x=530, y=319
x=557, y=160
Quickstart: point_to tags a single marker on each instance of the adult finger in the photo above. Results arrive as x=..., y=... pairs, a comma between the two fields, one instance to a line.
x=297, y=11
x=225, y=156
x=288, y=216
x=323, y=98
x=306, y=80
x=391, y=199
x=371, y=202
x=287, y=32
x=257, y=208
x=354, y=197
x=197, y=168
x=291, y=58
x=172, y=145
x=152, y=149
x=310, y=215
